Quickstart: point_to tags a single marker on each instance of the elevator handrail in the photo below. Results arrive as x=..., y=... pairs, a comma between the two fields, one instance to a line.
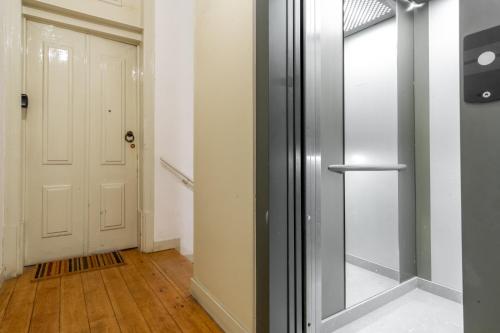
x=176, y=172
x=343, y=168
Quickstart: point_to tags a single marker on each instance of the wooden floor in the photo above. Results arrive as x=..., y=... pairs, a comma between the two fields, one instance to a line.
x=149, y=294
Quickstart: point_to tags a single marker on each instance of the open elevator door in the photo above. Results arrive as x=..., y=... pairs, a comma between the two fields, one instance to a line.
x=358, y=153
x=324, y=145
x=300, y=266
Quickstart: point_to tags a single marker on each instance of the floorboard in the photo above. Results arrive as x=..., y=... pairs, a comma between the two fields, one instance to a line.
x=18, y=313
x=5, y=295
x=99, y=310
x=126, y=310
x=148, y=294
x=178, y=268
x=156, y=316
x=172, y=300
x=74, y=316
x=47, y=305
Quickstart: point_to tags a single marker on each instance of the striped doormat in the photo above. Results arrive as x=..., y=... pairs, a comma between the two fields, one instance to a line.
x=62, y=267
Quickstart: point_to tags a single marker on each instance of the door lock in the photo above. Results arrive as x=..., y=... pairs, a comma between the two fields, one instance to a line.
x=129, y=137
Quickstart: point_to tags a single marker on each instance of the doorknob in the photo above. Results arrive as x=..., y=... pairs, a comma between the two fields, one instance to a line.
x=129, y=137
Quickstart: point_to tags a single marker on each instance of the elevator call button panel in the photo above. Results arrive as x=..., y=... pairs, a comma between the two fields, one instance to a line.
x=482, y=66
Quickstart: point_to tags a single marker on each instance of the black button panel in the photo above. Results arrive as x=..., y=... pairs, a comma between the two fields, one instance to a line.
x=482, y=66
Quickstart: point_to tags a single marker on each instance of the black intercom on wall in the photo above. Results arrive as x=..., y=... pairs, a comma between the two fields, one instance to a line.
x=482, y=66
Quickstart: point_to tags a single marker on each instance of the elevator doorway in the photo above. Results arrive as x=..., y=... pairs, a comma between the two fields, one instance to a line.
x=359, y=153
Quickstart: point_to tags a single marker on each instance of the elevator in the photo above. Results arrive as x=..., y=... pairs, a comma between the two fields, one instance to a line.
x=387, y=111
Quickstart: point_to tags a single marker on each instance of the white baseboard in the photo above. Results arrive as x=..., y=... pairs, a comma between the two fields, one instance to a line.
x=360, y=310
x=440, y=290
x=167, y=244
x=12, y=250
x=227, y=322
x=147, y=231
x=373, y=267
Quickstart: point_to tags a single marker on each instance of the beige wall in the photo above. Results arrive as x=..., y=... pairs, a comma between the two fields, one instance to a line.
x=224, y=155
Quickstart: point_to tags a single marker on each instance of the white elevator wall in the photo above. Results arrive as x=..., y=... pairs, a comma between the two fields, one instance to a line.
x=444, y=129
x=371, y=204
x=174, y=89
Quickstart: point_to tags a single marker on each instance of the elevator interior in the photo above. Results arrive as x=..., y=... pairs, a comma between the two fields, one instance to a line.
x=361, y=97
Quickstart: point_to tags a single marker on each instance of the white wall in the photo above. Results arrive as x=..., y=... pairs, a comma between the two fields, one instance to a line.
x=10, y=136
x=444, y=118
x=371, y=137
x=174, y=44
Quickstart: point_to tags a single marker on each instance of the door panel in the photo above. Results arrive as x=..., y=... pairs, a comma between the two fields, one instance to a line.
x=81, y=175
x=57, y=202
x=113, y=84
x=57, y=104
x=55, y=63
x=113, y=161
x=112, y=206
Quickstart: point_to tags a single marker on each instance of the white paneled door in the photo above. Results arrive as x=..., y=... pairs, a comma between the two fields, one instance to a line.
x=55, y=145
x=113, y=158
x=81, y=154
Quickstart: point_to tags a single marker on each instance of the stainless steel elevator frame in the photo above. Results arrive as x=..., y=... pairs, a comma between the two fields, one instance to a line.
x=279, y=163
x=480, y=137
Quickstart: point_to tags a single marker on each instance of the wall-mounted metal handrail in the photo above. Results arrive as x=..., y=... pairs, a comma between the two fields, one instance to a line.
x=343, y=168
x=182, y=177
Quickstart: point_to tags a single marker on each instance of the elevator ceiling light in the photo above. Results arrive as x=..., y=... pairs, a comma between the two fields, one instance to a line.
x=414, y=4
x=362, y=14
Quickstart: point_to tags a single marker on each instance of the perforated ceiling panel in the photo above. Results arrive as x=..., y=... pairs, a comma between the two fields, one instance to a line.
x=362, y=14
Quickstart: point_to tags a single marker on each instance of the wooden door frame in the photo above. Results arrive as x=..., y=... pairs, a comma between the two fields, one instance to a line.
x=15, y=166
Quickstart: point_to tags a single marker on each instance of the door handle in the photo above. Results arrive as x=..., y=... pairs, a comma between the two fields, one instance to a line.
x=129, y=137
x=343, y=168
x=24, y=101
